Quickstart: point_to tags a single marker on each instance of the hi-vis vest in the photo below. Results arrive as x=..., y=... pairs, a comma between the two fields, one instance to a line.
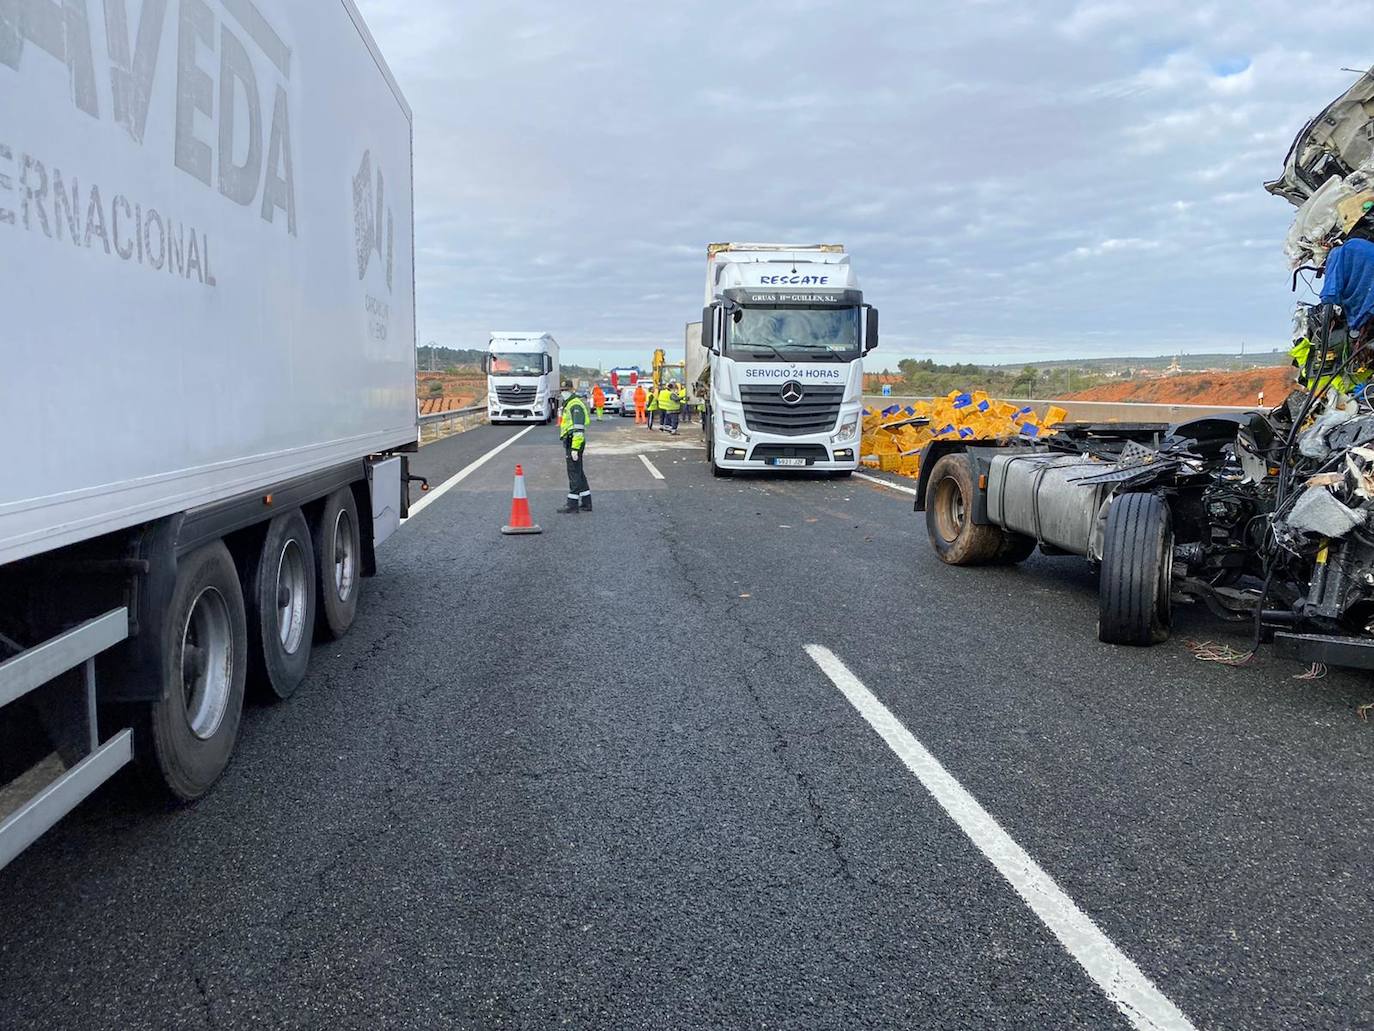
x=574, y=421
x=667, y=401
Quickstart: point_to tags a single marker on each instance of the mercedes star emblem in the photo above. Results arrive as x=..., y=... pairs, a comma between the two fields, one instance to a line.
x=792, y=393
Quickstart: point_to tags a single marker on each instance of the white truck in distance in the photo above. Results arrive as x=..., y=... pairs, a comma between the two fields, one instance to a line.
x=206, y=229
x=522, y=377
x=786, y=329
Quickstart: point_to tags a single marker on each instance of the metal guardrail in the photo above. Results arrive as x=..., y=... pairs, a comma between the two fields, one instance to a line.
x=441, y=424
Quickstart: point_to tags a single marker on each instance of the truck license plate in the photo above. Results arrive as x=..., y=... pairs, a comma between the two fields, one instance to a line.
x=790, y=461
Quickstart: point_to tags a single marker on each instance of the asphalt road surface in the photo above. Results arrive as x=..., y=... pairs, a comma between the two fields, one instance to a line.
x=595, y=778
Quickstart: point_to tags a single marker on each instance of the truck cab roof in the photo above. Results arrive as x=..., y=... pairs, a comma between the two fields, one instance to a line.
x=792, y=268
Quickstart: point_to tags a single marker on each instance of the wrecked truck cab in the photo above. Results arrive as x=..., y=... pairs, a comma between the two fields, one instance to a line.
x=1148, y=505
x=1265, y=517
x=1334, y=143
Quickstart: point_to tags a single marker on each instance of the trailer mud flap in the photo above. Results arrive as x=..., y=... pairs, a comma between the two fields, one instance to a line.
x=384, y=485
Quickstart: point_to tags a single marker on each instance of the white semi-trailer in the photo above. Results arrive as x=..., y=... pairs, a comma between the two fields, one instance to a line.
x=786, y=329
x=522, y=377
x=207, y=374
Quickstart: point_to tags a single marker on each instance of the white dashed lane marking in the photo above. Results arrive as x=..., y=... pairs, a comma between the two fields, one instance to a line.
x=1134, y=994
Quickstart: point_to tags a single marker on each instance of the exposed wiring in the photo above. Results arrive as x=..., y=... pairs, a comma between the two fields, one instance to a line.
x=1224, y=654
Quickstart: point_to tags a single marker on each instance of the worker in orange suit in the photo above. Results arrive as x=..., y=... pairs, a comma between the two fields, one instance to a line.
x=598, y=400
x=641, y=399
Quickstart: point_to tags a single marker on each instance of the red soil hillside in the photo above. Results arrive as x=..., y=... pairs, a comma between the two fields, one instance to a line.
x=1198, y=388
x=445, y=391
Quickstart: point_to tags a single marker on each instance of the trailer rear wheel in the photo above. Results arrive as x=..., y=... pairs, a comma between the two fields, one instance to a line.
x=338, y=570
x=949, y=516
x=281, y=606
x=1137, y=571
x=190, y=734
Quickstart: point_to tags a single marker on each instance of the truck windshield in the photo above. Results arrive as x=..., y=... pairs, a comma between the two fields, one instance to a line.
x=797, y=334
x=515, y=364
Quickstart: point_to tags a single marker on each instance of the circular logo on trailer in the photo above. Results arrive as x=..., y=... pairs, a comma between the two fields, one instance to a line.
x=792, y=393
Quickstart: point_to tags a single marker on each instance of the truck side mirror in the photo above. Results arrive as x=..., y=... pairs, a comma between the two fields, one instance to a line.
x=708, y=328
x=870, y=329
x=548, y=364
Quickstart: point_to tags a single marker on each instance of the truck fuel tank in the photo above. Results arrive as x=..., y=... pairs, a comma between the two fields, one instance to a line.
x=1035, y=494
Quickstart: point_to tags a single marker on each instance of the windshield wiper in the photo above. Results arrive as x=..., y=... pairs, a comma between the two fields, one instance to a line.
x=780, y=355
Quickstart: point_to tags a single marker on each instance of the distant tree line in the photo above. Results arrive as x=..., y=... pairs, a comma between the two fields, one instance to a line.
x=469, y=360
x=924, y=376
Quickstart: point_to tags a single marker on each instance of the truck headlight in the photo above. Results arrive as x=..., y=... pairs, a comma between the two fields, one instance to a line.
x=735, y=431
x=846, y=431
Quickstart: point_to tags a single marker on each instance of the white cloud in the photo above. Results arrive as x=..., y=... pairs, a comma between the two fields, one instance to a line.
x=1011, y=179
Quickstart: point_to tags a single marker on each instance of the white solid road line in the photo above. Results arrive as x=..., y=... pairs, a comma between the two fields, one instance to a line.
x=884, y=483
x=434, y=493
x=651, y=467
x=1144, y=1005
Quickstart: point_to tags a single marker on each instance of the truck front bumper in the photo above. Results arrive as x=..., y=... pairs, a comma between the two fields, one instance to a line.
x=494, y=412
x=791, y=455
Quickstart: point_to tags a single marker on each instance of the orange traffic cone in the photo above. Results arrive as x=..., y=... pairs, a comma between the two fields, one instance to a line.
x=520, y=521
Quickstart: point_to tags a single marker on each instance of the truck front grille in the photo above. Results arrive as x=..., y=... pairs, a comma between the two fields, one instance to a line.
x=766, y=412
x=516, y=395
x=813, y=452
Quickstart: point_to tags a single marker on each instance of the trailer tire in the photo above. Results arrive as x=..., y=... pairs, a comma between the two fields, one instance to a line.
x=280, y=592
x=189, y=735
x=338, y=566
x=949, y=516
x=1137, y=571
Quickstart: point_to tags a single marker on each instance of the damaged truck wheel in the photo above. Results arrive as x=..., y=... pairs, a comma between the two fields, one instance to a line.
x=957, y=539
x=1137, y=570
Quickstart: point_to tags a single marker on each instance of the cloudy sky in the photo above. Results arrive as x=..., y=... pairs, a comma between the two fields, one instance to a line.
x=1013, y=180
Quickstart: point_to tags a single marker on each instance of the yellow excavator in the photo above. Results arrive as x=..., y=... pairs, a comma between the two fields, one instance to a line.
x=666, y=372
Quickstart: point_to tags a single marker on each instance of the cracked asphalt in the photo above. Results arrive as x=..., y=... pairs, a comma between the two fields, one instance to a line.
x=590, y=778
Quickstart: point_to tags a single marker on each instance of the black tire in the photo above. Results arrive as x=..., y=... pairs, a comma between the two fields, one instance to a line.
x=950, y=495
x=1014, y=548
x=185, y=740
x=280, y=592
x=338, y=564
x=1137, y=570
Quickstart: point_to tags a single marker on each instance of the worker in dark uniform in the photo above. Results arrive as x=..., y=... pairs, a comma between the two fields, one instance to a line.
x=572, y=430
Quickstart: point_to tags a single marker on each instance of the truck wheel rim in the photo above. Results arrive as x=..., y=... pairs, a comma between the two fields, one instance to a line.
x=207, y=663
x=291, y=588
x=345, y=560
x=949, y=509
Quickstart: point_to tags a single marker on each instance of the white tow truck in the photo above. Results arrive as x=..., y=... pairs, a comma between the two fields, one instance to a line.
x=786, y=328
x=208, y=380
